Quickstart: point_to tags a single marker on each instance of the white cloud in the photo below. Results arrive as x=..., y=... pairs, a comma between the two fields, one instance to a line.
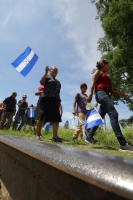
x=20, y=12
x=71, y=89
x=62, y=32
x=20, y=16
x=67, y=115
x=81, y=28
x=77, y=25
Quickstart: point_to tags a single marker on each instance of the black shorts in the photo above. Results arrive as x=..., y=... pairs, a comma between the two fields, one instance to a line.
x=38, y=111
x=48, y=110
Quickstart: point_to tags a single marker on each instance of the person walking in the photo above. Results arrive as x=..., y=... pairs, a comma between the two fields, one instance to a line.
x=79, y=109
x=101, y=84
x=30, y=115
x=38, y=112
x=22, y=107
x=9, y=111
x=50, y=100
x=2, y=106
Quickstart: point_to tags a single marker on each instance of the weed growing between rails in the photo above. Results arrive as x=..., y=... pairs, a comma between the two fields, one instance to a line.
x=107, y=142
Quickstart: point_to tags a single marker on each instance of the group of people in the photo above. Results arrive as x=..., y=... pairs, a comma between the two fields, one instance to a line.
x=49, y=105
x=49, y=108
x=101, y=86
x=24, y=115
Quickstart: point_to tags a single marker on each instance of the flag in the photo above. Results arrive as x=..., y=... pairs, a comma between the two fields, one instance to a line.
x=30, y=113
x=25, y=62
x=18, y=124
x=93, y=118
x=46, y=126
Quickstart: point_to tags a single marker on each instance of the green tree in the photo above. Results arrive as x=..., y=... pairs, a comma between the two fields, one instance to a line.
x=66, y=125
x=117, y=45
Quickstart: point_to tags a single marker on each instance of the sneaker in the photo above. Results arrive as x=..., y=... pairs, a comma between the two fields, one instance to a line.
x=89, y=140
x=128, y=147
x=95, y=141
x=74, y=138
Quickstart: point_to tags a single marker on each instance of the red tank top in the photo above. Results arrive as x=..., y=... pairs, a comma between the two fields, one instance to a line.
x=103, y=83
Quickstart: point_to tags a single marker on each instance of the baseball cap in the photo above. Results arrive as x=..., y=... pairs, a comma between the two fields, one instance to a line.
x=24, y=95
x=14, y=93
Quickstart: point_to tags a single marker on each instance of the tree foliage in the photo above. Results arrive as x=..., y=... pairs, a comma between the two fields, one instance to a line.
x=126, y=122
x=66, y=125
x=117, y=45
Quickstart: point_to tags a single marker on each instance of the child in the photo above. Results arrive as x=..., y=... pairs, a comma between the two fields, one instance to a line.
x=79, y=109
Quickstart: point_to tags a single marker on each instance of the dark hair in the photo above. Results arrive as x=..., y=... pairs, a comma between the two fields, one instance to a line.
x=99, y=64
x=83, y=84
x=14, y=93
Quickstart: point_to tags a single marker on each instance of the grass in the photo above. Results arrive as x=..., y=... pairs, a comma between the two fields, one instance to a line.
x=107, y=142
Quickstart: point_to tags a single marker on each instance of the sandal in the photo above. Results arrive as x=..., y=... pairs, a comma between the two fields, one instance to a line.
x=57, y=139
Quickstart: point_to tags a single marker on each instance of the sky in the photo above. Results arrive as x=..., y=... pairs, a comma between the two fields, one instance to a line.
x=63, y=33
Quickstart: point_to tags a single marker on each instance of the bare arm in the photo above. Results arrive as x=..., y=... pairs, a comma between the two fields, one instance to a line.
x=74, y=107
x=61, y=110
x=20, y=103
x=38, y=92
x=14, y=110
x=126, y=95
x=43, y=79
x=93, y=82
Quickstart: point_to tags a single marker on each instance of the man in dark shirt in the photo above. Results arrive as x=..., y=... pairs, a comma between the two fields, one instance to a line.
x=9, y=111
x=22, y=107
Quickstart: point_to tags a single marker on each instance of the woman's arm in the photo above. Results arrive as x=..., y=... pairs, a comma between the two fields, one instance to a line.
x=126, y=95
x=43, y=79
x=93, y=82
x=61, y=109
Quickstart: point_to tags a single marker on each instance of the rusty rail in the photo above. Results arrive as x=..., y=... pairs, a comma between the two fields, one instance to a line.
x=35, y=170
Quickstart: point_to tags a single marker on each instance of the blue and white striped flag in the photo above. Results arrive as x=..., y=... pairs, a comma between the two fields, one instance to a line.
x=18, y=124
x=93, y=118
x=30, y=112
x=46, y=126
x=25, y=62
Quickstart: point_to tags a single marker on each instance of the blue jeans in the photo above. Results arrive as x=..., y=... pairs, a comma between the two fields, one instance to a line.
x=29, y=121
x=17, y=117
x=106, y=106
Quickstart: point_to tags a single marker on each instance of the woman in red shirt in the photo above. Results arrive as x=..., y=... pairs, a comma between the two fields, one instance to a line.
x=101, y=84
